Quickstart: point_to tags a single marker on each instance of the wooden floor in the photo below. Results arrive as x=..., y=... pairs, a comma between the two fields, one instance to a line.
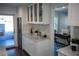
x=16, y=52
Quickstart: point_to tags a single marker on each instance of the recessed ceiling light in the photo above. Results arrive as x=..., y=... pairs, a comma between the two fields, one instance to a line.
x=63, y=7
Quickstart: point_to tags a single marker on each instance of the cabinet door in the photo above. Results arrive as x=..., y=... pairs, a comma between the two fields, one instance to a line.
x=28, y=14
x=40, y=12
x=31, y=10
x=32, y=13
x=35, y=12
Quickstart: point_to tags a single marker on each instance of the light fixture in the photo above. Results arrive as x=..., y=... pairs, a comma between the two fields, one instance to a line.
x=63, y=7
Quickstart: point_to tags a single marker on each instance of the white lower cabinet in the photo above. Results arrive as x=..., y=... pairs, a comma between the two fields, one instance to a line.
x=37, y=48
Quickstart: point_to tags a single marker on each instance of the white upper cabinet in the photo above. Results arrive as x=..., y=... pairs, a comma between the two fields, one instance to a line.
x=73, y=14
x=39, y=13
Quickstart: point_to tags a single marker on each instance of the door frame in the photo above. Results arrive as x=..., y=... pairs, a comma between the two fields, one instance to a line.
x=13, y=28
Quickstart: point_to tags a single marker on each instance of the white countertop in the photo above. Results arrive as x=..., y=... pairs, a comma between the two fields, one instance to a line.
x=68, y=52
x=34, y=38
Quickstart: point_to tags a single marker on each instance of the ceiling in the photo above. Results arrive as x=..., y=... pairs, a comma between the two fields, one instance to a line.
x=17, y=4
x=62, y=9
x=57, y=5
x=14, y=4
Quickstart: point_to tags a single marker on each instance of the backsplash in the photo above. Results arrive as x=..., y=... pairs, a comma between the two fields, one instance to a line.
x=44, y=29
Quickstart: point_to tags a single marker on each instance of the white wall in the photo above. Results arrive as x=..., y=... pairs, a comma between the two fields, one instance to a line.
x=62, y=22
x=52, y=28
x=74, y=32
x=23, y=13
x=73, y=14
x=9, y=10
x=56, y=22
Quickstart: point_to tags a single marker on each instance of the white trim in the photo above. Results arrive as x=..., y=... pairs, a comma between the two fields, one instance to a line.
x=33, y=12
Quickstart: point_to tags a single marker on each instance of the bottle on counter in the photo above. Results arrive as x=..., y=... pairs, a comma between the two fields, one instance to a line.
x=31, y=31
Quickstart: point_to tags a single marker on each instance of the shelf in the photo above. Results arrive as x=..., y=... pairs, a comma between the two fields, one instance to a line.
x=38, y=23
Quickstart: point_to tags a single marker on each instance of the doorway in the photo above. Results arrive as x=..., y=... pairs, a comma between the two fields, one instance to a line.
x=61, y=28
x=6, y=31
